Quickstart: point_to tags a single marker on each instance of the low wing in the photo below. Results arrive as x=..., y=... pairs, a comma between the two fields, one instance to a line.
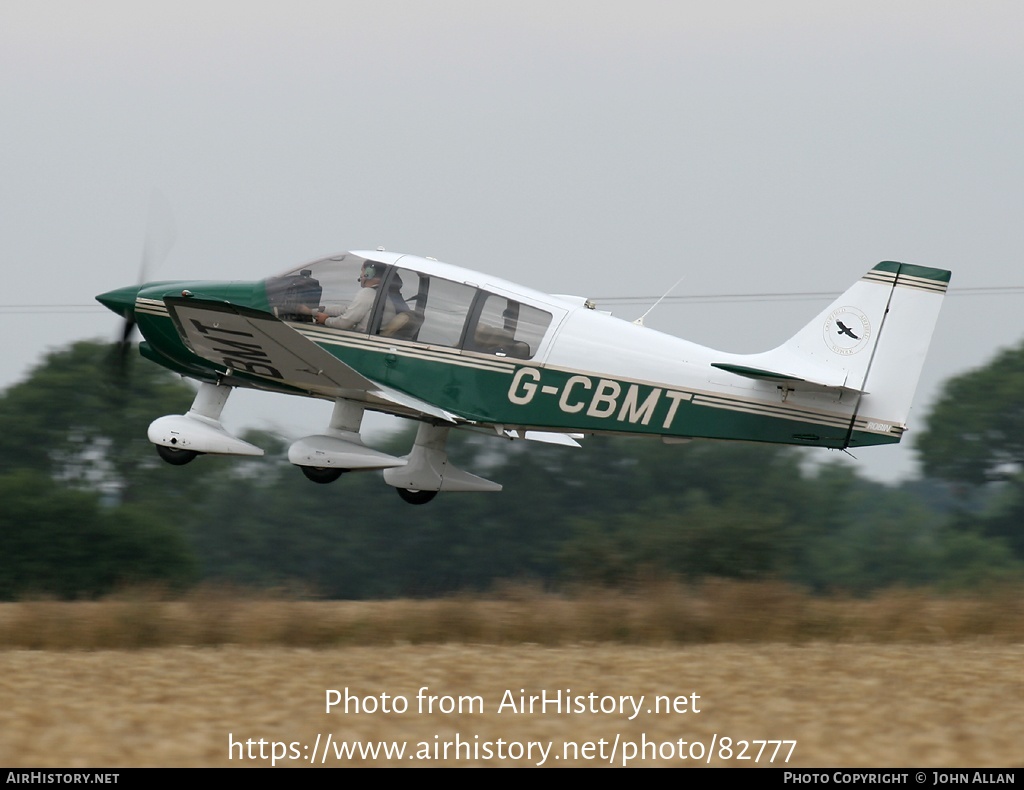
x=251, y=341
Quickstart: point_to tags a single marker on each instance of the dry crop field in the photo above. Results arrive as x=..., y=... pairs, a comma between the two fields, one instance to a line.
x=670, y=676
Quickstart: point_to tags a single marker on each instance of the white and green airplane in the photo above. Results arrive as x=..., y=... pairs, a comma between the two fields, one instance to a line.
x=454, y=348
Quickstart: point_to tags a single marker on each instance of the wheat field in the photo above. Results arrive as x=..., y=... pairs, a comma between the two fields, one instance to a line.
x=903, y=680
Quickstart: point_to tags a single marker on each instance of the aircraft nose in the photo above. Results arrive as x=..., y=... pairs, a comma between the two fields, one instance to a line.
x=120, y=300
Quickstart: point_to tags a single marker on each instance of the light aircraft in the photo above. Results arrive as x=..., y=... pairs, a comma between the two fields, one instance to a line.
x=454, y=348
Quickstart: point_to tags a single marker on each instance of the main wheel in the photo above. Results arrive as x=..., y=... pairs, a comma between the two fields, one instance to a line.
x=322, y=474
x=174, y=456
x=414, y=497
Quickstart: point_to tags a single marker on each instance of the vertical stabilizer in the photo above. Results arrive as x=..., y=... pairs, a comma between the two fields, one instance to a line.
x=870, y=343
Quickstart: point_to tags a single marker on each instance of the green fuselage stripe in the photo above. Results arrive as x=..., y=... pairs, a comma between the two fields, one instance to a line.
x=516, y=394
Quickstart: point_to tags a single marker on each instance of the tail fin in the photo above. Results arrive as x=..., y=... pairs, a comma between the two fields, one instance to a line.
x=870, y=343
x=904, y=336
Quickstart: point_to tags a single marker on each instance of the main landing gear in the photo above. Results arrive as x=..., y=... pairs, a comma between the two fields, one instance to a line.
x=417, y=477
x=179, y=438
x=323, y=458
x=322, y=474
x=174, y=456
x=427, y=469
x=415, y=497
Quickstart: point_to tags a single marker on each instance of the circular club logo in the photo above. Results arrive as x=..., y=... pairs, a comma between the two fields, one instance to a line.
x=847, y=330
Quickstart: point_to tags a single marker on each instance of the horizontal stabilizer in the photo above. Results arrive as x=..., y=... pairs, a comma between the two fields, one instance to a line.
x=827, y=379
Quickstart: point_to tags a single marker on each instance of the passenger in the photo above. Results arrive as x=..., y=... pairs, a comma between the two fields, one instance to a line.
x=399, y=320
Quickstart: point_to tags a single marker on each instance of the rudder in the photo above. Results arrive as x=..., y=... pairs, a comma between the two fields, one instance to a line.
x=904, y=338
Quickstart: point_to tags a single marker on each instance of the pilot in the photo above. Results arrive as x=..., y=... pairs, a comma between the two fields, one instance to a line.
x=357, y=315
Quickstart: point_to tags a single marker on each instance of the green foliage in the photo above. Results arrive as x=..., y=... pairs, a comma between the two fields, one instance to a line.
x=74, y=450
x=63, y=542
x=731, y=540
x=968, y=561
x=975, y=432
x=612, y=512
x=90, y=507
x=974, y=437
x=356, y=539
x=82, y=420
x=1003, y=516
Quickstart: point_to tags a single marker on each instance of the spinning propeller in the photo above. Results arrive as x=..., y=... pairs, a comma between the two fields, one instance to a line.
x=160, y=237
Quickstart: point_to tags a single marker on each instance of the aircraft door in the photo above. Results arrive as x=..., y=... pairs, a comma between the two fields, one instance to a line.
x=442, y=307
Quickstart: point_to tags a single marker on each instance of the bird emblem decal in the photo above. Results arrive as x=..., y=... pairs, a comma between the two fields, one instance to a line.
x=845, y=330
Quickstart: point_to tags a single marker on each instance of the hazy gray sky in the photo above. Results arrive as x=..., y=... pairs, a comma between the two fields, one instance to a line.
x=601, y=148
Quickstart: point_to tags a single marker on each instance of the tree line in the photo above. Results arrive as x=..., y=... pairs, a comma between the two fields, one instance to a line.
x=90, y=508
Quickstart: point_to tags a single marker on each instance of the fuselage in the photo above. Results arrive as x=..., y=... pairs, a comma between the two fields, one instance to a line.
x=499, y=354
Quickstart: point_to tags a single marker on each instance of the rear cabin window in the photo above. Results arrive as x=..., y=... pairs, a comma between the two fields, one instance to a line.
x=507, y=328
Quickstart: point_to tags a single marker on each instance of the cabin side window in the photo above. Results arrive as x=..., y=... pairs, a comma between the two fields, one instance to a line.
x=444, y=314
x=505, y=327
x=425, y=309
x=431, y=310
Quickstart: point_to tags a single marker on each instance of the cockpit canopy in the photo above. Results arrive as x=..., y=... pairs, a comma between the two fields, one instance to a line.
x=411, y=305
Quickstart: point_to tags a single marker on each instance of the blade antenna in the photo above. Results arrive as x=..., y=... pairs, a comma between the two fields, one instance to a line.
x=640, y=320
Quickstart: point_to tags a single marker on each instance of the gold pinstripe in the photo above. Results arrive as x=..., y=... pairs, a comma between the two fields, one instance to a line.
x=413, y=350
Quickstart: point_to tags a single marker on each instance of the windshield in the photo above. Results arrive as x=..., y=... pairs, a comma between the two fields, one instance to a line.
x=330, y=283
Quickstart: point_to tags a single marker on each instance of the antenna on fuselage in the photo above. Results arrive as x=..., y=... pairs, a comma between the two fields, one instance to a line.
x=640, y=320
